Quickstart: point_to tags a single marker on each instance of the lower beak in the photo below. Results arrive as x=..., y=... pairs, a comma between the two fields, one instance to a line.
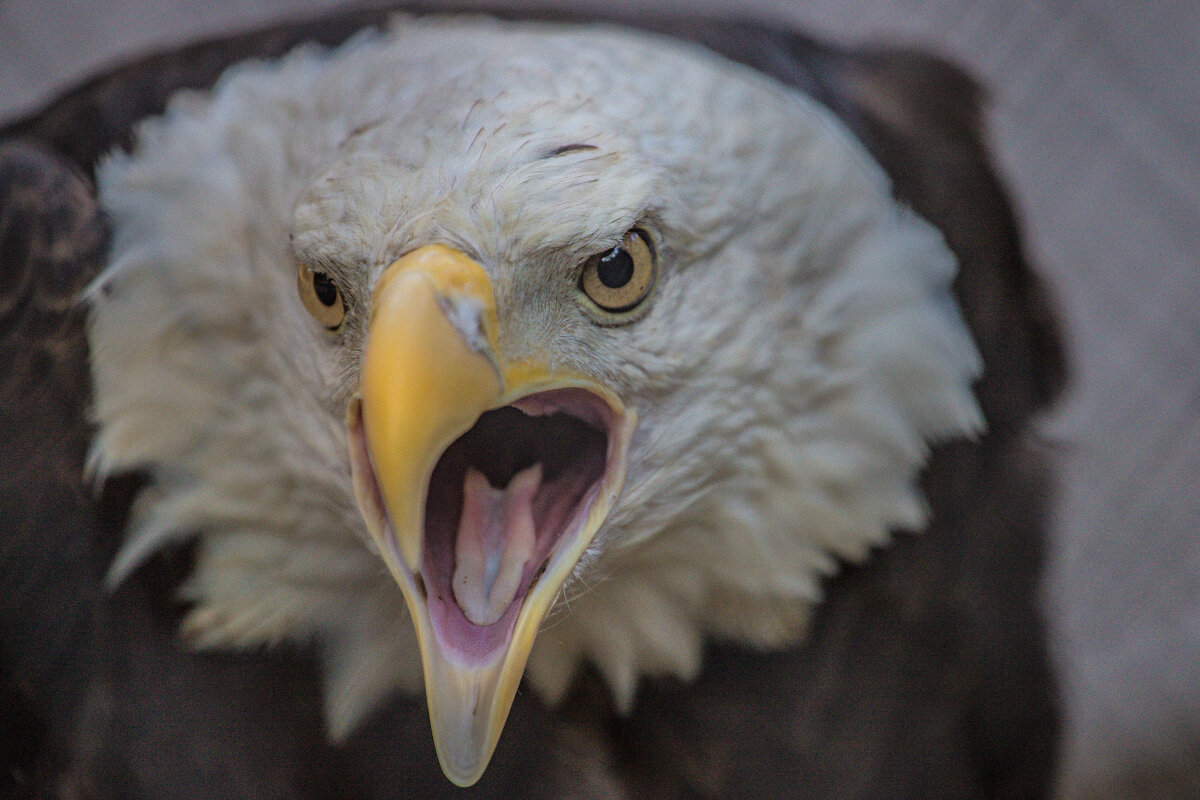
x=479, y=593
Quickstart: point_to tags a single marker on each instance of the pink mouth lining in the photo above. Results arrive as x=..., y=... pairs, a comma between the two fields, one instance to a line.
x=568, y=432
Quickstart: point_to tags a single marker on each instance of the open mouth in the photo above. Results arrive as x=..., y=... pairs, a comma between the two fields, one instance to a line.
x=482, y=480
x=501, y=501
x=506, y=502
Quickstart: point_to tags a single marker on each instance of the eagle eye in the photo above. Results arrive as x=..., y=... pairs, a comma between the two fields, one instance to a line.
x=321, y=297
x=619, y=279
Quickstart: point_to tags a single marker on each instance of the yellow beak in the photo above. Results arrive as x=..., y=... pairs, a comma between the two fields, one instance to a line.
x=431, y=368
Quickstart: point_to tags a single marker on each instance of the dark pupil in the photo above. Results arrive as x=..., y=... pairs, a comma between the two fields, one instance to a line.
x=324, y=289
x=615, y=269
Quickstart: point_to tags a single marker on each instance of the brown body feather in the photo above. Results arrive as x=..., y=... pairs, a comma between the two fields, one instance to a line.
x=925, y=674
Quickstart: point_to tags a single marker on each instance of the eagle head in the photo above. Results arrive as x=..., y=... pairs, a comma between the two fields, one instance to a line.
x=513, y=328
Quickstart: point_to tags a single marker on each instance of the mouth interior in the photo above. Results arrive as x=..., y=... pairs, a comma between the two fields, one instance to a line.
x=543, y=459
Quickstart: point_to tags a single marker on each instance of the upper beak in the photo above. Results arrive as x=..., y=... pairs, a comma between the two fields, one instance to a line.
x=432, y=366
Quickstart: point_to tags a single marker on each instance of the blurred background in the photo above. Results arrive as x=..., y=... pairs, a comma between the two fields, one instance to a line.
x=1094, y=120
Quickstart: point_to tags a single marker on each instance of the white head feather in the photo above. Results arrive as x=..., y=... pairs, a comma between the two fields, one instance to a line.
x=800, y=352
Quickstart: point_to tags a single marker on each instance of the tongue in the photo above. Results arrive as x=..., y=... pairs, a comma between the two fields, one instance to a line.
x=496, y=537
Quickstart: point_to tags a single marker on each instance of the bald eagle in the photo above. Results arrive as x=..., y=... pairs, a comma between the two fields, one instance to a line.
x=467, y=355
